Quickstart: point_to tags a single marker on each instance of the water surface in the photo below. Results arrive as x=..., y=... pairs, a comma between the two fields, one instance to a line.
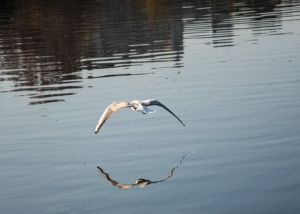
x=228, y=70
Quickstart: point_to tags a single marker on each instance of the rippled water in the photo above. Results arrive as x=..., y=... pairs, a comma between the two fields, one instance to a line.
x=228, y=70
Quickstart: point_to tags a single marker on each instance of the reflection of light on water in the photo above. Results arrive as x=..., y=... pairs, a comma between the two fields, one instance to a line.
x=51, y=95
x=52, y=54
x=45, y=101
x=115, y=75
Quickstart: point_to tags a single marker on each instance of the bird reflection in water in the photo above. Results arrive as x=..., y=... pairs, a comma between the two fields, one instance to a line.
x=141, y=182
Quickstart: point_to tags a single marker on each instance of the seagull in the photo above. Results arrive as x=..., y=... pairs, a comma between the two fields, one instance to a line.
x=136, y=105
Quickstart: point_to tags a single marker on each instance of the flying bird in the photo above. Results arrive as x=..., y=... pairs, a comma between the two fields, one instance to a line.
x=136, y=105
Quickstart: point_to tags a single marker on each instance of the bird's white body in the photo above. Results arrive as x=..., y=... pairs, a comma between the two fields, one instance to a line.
x=136, y=105
x=141, y=107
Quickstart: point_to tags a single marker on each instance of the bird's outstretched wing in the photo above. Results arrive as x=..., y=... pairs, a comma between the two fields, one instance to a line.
x=113, y=182
x=109, y=111
x=157, y=103
x=106, y=176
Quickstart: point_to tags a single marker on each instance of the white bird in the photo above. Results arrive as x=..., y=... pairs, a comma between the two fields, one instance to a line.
x=136, y=105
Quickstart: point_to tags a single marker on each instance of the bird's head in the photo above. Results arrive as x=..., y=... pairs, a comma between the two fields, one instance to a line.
x=134, y=105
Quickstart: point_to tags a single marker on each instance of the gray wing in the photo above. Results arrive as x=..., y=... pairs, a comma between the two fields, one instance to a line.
x=109, y=111
x=157, y=103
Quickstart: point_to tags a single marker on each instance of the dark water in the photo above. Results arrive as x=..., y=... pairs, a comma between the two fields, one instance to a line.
x=229, y=70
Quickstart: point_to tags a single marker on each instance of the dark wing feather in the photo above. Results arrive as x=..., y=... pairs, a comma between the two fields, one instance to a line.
x=109, y=111
x=157, y=103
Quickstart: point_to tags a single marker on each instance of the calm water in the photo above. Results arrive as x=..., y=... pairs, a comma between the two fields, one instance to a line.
x=229, y=70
